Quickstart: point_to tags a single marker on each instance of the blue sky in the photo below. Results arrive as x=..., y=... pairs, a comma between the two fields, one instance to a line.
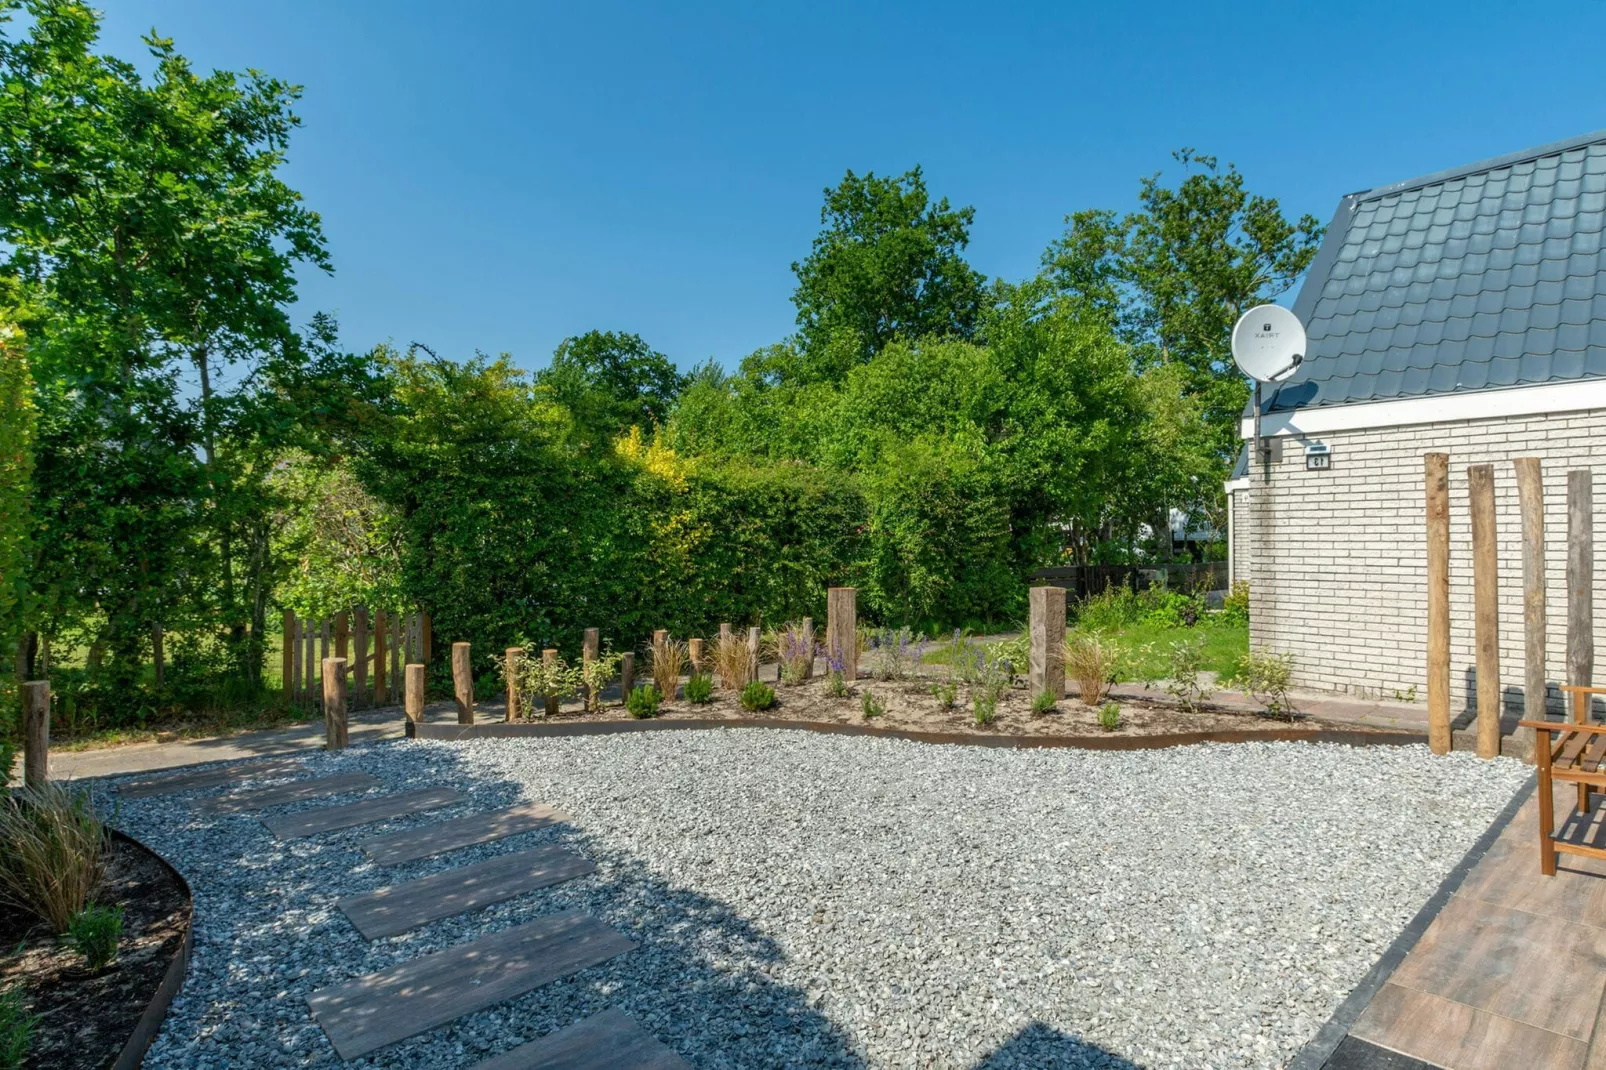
x=497, y=176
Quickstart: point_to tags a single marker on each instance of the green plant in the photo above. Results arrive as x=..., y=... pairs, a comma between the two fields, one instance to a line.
x=699, y=688
x=1013, y=653
x=1235, y=607
x=643, y=701
x=1183, y=679
x=94, y=933
x=733, y=662
x=535, y=678
x=985, y=706
x=947, y=692
x=757, y=696
x=16, y=1028
x=1267, y=678
x=1110, y=716
x=871, y=705
x=597, y=674
x=1093, y=662
x=1043, y=701
x=1408, y=695
x=794, y=649
x=892, y=653
x=669, y=661
x=52, y=852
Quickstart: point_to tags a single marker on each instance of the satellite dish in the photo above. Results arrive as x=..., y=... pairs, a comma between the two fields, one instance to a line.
x=1268, y=343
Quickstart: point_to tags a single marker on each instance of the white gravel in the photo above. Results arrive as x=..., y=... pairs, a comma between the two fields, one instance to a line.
x=811, y=900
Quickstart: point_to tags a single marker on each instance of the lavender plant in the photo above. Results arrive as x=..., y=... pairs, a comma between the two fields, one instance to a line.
x=893, y=653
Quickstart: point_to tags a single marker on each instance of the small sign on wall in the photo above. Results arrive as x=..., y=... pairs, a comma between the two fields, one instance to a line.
x=1318, y=456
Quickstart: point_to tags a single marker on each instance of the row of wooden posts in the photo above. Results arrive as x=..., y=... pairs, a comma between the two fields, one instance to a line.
x=361, y=640
x=1486, y=593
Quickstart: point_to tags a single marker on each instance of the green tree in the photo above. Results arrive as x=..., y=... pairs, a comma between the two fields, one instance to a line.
x=888, y=263
x=612, y=382
x=16, y=470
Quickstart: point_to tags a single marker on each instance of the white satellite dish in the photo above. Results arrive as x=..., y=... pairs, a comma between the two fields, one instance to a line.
x=1268, y=342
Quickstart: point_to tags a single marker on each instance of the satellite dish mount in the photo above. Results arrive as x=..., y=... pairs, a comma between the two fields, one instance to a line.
x=1268, y=345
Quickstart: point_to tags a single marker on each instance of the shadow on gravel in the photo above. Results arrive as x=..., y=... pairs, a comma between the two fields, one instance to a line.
x=1039, y=1045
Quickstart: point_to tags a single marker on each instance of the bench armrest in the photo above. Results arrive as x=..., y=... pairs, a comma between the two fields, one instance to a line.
x=1562, y=726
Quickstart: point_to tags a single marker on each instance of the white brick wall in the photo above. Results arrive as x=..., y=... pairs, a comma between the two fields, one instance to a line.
x=1338, y=558
x=1240, y=535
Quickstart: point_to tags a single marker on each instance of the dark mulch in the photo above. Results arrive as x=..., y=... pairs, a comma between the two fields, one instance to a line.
x=86, y=1018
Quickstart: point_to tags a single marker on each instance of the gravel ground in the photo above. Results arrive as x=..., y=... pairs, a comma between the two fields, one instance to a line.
x=808, y=900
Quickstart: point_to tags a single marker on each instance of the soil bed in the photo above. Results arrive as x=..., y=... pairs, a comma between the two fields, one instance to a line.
x=86, y=1018
x=910, y=705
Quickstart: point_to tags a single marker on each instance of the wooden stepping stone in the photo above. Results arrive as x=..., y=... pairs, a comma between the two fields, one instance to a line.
x=396, y=909
x=414, y=997
x=329, y=818
x=295, y=791
x=205, y=778
x=396, y=847
x=611, y=1040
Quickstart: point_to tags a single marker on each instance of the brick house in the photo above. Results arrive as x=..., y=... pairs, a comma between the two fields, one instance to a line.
x=1465, y=313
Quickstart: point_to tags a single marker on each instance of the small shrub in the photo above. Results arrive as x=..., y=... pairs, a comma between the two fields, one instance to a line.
x=1266, y=677
x=732, y=662
x=893, y=653
x=1093, y=662
x=669, y=660
x=1235, y=607
x=699, y=688
x=643, y=701
x=758, y=696
x=794, y=649
x=1110, y=716
x=947, y=692
x=1183, y=682
x=872, y=706
x=837, y=684
x=51, y=852
x=1111, y=610
x=1043, y=701
x=1012, y=654
x=985, y=707
x=598, y=674
x=94, y=933
x=16, y=1028
x=535, y=680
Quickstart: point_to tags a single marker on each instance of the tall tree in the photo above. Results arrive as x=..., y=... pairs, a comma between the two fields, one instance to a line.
x=888, y=263
x=611, y=382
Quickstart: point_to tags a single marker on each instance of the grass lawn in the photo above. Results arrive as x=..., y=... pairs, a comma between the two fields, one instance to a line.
x=1151, y=646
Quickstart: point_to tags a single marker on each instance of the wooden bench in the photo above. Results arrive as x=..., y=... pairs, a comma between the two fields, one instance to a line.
x=1578, y=754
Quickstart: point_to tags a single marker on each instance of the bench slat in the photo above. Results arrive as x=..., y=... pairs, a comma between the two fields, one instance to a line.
x=1590, y=761
x=1571, y=746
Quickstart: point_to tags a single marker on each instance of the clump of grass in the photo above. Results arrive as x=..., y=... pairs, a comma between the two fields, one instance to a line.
x=643, y=701
x=52, y=852
x=1110, y=716
x=1043, y=701
x=794, y=649
x=1093, y=662
x=94, y=933
x=699, y=688
x=733, y=662
x=16, y=1028
x=871, y=706
x=757, y=696
x=669, y=661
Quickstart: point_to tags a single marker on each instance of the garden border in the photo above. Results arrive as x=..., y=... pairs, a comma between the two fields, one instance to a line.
x=560, y=729
x=150, y=1022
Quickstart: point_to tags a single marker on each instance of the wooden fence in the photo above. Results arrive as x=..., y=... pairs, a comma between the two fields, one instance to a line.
x=375, y=643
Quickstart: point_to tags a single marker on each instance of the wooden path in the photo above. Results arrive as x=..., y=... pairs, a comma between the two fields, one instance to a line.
x=605, y=1041
x=367, y=1013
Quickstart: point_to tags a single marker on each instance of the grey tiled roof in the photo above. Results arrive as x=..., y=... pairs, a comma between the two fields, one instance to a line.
x=1487, y=276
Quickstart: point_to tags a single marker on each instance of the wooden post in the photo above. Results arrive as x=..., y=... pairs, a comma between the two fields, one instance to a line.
x=415, y=692
x=359, y=662
x=694, y=652
x=334, y=703
x=287, y=657
x=660, y=635
x=842, y=629
x=753, y=639
x=1045, y=658
x=627, y=673
x=379, y=656
x=1485, y=606
x=808, y=639
x=156, y=651
x=511, y=671
x=35, y=734
x=724, y=633
x=1580, y=577
x=426, y=637
x=1531, y=499
x=463, y=683
x=589, y=648
x=1437, y=472
x=549, y=658
x=343, y=635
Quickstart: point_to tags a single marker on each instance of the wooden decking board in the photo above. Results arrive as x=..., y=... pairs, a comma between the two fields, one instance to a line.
x=396, y=847
x=295, y=791
x=206, y=778
x=611, y=1040
x=388, y=911
x=1446, y=1033
x=413, y=997
x=329, y=818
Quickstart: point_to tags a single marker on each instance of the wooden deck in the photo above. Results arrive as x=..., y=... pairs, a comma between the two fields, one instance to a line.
x=1512, y=971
